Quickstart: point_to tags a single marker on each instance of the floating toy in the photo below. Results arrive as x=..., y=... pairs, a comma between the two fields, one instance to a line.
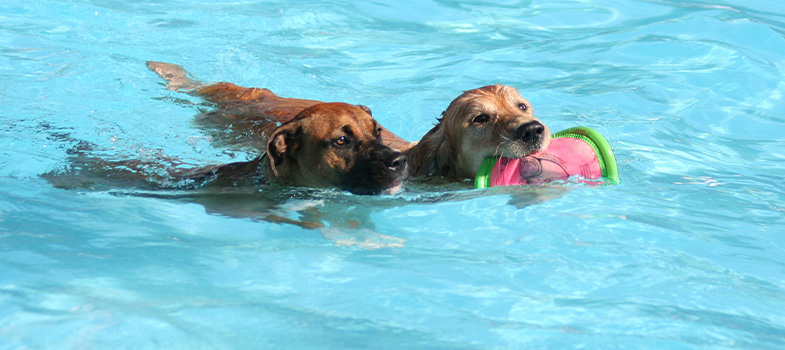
x=578, y=151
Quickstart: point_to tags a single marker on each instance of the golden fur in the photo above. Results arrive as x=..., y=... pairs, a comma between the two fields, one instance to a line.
x=459, y=142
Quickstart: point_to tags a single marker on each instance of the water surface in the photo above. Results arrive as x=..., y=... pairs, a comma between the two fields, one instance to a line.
x=686, y=253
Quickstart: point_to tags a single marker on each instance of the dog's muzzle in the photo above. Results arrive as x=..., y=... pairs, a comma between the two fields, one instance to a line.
x=530, y=133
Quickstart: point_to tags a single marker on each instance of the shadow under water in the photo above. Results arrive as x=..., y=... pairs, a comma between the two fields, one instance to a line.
x=340, y=216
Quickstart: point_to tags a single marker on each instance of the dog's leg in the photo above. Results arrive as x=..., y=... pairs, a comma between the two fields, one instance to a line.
x=277, y=219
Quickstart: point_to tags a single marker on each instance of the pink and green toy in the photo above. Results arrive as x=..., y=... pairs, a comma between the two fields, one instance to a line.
x=576, y=152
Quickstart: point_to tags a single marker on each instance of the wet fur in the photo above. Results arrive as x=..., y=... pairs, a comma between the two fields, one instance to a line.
x=453, y=148
x=303, y=150
x=237, y=104
x=456, y=146
x=334, y=145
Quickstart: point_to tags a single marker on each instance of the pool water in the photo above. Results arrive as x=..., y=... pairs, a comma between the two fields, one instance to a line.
x=688, y=252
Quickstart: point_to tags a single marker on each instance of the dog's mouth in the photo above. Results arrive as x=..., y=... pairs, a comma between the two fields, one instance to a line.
x=383, y=174
x=395, y=187
x=519, y=149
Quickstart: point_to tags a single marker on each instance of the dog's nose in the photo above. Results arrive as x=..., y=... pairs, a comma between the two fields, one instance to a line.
x=530, y=132
x=396, y=161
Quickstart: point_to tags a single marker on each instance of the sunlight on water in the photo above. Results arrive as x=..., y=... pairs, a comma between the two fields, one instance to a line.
x=685, y=253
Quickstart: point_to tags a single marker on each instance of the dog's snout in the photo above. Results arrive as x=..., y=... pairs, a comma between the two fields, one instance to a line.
x=530, y=132
x=396, y=161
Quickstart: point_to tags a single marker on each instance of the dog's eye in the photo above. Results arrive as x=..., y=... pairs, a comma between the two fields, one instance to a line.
x=341, y=141
x=482, y=118
x=522, y=106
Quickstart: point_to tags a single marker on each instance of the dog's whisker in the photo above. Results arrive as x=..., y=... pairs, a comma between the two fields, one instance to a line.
x=496, y=151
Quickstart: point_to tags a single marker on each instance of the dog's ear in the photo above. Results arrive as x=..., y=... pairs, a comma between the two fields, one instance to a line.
x=433, y=154
x=282, y=143
x=366, y=109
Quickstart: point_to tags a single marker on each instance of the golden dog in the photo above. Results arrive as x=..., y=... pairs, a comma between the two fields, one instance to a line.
x=489, y=121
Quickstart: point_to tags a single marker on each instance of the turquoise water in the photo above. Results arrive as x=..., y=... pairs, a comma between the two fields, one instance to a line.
x=688, y=252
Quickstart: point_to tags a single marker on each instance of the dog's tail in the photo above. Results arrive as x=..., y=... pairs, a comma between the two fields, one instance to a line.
x=176, y=77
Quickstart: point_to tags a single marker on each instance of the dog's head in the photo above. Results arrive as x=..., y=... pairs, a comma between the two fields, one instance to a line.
x=335, y=145
x=493, y=120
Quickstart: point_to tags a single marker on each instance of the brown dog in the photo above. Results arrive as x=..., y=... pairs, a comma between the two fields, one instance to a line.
x=489, y=121
x=244, y=107
x=317, y=145
x=327, y=145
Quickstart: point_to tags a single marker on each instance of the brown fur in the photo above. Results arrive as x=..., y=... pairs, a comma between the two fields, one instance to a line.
x=317, y=144
x=454, y=148
x=243, y=104
x=334, y=145
x=327, y=145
